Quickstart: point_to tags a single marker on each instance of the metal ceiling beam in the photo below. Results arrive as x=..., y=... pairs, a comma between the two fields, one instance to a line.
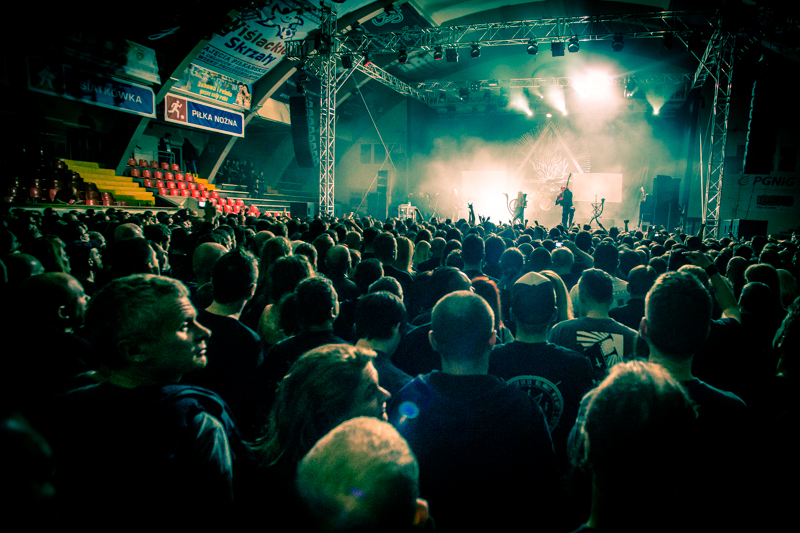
x=562, y=81
x=585, y=28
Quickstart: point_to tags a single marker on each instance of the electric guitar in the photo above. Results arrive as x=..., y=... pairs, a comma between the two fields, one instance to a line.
x=560, y=196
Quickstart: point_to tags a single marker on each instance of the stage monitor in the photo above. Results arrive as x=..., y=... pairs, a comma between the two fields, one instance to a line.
x=592, y=187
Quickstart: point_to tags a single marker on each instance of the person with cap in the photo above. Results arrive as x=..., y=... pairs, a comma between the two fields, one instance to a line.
x=556, y=376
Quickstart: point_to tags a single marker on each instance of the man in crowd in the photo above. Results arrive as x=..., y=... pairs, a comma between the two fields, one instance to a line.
x=138, y=444
x=235, y=352
x=557, y=377
x=485, y=454
x=604, y=340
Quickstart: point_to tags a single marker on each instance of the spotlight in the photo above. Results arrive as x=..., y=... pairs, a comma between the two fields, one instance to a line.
x=492, y=83
x=367, y=60
x=402, y=57
x=475, y=85
x=669, y=39
x=356, y=27
x=347, y=61
x=437, y=53
x=463, y=93
x=574, y=45
x=533, y=47
x=442, y=97
x=475, y=52
x=557, y=49
x=452, y=55
x=549, y=115
x=618, y=43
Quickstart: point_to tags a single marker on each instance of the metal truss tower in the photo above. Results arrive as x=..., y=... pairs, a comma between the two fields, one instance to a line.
x=327, y=114
x=718, y=63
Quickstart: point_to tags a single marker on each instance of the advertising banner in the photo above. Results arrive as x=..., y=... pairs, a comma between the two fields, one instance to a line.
x=190, y=112
x=103, y=91
x=768, y=193
x=206, y=83
x=253, y=45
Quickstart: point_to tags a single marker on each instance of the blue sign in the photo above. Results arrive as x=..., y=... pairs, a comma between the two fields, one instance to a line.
x=204, y=116
x=103, y=91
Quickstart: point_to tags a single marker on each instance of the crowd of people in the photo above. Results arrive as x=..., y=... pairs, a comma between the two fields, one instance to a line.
x=364, y=375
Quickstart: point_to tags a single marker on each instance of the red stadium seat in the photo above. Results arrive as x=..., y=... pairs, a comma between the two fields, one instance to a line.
x=179, y=176
x=144, y=163
x=163, y=191
x=227, y=209
x=171, y=185
x=52, y=194
x=176, y=167
x=214, y=201
x=195, y=194
x=189, y=177
x=204, y=194
x=181, y=185
x=201, y=187
x=158, y=175
x=154, y=164
x=147, y=173
x=191, y=186
x=186, y=192
x=169, y=176
x=149, y=184
x=160, y=184
x=215, y=194
x=131, y=162
x=135, y=173
x=92, y=201
x=239, y=202
x=165, y=166
x=174, y=192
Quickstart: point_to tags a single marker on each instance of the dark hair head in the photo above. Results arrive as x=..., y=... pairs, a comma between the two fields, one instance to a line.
x=385, y=247
x=487, y=289
x=316, y=299
x=473, y=249
x=285, y=273
x=677, y=302
x=233, y=276
x=640, y=279
x=597, y=286
x=540, y=259
x=367, y=272
x=132, y=256
x=377, y=313
x=606, y=257
x=389, y=284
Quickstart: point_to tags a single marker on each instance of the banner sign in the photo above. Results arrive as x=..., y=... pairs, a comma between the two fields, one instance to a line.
x=103, y=91
x=206, y=83
x=204, y=116
x=252, y=47
x=769, y=193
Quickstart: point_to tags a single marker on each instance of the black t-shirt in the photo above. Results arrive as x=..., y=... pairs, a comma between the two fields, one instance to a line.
x=557, y=378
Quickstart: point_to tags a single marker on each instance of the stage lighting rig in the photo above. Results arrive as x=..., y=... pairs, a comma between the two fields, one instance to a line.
x=367, y=60
x=475, y=52
x=452, y=55
x=618, y=43
x=557, y=49
x=533, y=47
x=347, y=61
x=574, y=44
x=402, y=56
x=437, y=53
x=463, y=93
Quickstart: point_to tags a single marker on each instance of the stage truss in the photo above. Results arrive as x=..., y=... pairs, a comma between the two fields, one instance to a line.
x=716, y=62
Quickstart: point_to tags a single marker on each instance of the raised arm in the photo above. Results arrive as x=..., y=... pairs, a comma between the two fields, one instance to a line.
x=722, y=291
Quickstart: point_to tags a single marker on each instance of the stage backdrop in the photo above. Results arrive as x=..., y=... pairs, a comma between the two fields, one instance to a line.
x=592, y=186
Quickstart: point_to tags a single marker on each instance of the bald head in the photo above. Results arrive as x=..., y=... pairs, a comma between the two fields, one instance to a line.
x=20, y=267
x=338, y=259
x=462, y=327
x=57, y=299
x=204, y=258
x=128, y=231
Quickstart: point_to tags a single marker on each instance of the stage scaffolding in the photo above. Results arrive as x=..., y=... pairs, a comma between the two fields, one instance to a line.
x=321, y=60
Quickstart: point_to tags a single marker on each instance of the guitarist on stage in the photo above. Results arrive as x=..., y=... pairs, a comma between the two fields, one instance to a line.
x=567, y=209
